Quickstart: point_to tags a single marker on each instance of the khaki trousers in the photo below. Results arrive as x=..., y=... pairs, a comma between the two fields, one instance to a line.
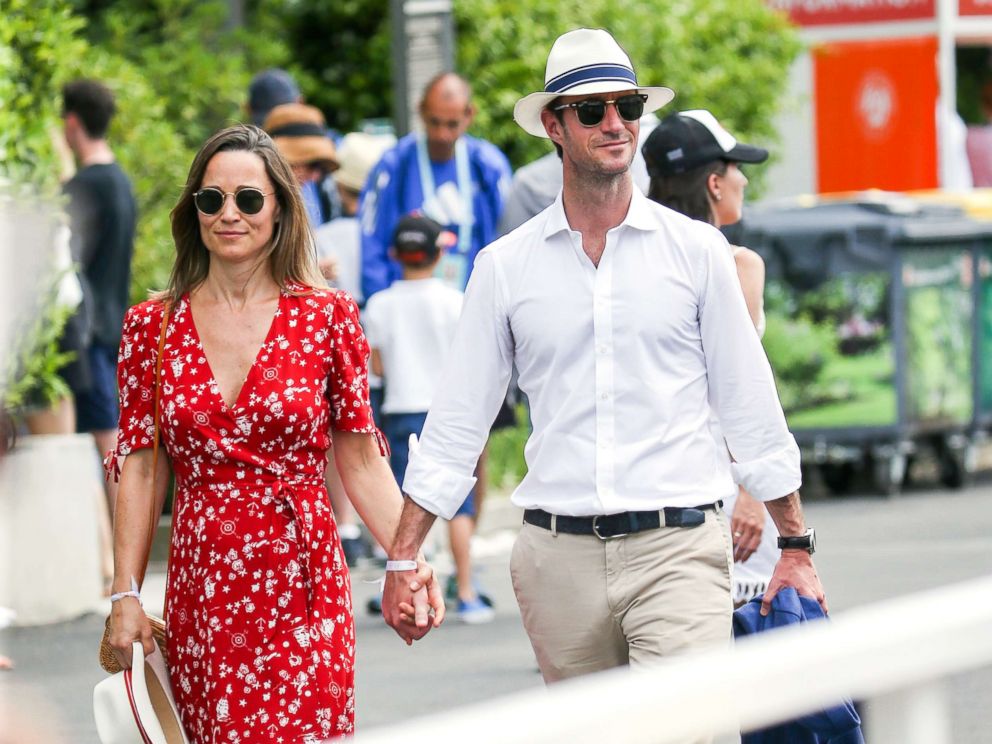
x=590, y=605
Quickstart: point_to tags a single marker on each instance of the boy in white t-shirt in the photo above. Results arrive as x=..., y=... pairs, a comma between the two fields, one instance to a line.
x=410, y=327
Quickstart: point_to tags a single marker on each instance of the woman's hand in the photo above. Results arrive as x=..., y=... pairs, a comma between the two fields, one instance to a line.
x=128, y=623
x=747, y=524
x=427, y=610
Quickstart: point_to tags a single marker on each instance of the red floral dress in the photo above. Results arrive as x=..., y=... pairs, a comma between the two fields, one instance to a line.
x=259, y=615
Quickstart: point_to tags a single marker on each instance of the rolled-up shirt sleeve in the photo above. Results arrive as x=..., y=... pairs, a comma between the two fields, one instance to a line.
x=741, y=385
x=467, y=397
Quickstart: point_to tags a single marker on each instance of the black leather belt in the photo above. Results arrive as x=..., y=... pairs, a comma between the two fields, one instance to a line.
x=609, y=526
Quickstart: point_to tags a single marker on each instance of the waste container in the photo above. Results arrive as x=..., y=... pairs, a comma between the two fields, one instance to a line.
x=871, y=329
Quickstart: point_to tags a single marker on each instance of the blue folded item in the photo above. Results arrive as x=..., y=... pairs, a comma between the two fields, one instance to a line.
x=837, y=725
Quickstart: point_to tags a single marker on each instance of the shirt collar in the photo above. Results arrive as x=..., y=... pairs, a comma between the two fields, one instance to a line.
x=640, y=215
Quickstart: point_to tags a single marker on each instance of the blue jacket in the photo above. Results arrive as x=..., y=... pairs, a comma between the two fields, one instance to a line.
x=393, y=190
x=838, y=725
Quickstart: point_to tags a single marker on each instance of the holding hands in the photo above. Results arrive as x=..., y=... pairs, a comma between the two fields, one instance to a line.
x=412, y=600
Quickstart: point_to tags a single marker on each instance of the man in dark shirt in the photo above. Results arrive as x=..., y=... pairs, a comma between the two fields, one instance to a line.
x=102, y=218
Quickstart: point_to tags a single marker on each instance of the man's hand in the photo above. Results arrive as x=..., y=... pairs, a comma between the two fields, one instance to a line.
x=747, y=524
x=412, y=602
x=795, y=568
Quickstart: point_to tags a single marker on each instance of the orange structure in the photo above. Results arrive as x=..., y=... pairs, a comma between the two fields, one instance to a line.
x=876, y=92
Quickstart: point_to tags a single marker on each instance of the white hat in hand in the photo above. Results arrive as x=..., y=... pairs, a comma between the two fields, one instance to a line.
x=135, y=706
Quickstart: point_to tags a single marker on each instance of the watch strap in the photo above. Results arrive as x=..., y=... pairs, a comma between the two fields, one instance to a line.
x=805, y=541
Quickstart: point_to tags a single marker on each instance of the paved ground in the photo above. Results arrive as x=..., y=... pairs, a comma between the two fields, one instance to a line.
x=870, y=549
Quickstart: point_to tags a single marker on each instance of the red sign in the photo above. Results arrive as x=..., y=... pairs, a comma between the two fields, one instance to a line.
x=876, y=120
x=974, y=7
x=822, y=12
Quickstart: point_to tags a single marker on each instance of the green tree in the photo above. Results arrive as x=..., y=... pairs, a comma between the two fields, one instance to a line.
x=341, y=56
x=186, y=51
x=180, y=72
x=731, y=57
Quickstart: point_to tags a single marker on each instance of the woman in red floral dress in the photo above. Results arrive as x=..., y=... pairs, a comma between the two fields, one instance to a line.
x=257, y=368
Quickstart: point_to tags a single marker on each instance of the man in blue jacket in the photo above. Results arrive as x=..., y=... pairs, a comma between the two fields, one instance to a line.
x=455, y=179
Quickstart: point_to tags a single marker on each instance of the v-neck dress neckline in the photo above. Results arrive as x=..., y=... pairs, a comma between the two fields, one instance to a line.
x=246, y=382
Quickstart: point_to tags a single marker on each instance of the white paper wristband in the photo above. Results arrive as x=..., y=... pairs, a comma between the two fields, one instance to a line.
x=134, y=592
x=120, y=595
x=401, y=565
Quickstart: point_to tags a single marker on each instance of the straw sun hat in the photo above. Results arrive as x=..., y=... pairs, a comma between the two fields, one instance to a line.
x=357, y=155
x=300, y=133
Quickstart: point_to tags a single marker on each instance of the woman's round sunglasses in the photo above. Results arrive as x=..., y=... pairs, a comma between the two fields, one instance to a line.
x=248, y=200
x=592, y=110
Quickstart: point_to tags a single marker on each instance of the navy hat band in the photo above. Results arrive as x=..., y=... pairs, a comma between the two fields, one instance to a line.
x=299, y=130
x=590, y=74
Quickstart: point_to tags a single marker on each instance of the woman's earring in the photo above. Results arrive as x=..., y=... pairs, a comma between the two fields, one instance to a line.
x=717, y=197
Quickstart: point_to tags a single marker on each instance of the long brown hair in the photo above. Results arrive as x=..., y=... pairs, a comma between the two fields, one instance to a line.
x=688, y=192
x=291, y=254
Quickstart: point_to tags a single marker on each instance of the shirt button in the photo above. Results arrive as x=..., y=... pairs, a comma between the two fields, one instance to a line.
x=604, y=396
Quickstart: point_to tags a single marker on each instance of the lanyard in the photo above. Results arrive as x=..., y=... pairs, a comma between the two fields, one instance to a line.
x=464, y=186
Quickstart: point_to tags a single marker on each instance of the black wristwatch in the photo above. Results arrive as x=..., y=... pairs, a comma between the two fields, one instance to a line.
x=805, y=541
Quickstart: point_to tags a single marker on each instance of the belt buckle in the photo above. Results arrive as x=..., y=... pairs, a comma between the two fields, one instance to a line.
x=604, y=538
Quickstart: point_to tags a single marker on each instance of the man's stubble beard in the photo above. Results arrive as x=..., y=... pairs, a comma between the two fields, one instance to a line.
x=595, y=173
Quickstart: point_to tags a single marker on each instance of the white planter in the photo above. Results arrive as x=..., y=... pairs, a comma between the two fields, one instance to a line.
x=50, y=493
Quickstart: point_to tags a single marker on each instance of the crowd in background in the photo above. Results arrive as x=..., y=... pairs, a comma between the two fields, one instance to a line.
x=396, y=224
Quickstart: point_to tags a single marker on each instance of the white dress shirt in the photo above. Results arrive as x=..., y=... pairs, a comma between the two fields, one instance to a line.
x=621, y=364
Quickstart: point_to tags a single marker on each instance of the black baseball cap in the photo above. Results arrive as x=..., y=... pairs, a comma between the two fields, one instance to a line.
x=416, y=239
x=689, y=139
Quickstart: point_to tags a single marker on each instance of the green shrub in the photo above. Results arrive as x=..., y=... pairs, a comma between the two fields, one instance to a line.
x=799, y=350
x=36, y=37
x=506, y=466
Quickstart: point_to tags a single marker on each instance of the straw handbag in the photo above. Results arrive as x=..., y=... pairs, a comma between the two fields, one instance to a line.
x=107, y=659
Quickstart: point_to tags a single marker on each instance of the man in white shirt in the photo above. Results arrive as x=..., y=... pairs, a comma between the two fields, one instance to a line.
x=626, y=323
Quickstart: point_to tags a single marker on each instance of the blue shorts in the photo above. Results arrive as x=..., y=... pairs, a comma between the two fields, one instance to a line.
x=398, y=427
x=96, y=406
x=375, y=400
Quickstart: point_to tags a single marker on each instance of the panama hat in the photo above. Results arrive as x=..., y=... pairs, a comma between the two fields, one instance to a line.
x=135, y=706
x=689, y=139
x=357, y=155
x=300, y=133
x=584, y=61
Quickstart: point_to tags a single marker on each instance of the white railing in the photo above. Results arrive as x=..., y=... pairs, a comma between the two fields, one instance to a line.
x=896, y=653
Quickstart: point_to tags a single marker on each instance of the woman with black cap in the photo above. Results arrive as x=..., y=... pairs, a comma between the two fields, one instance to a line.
x=693, y=164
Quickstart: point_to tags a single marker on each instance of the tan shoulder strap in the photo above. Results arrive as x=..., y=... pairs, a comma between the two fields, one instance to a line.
x=158, y=383
x=154, y=517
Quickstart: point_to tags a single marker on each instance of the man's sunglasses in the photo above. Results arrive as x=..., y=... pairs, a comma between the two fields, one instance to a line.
x=592, y=110
x=248, y=200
